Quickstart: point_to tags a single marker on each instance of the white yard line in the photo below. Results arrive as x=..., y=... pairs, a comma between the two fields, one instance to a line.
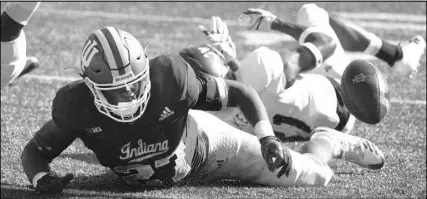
x=410, y=24
x=140, y=17
x=408, y=18
x=69, y=79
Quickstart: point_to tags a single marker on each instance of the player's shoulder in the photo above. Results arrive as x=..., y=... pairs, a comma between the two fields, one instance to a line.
x=169, y=67
x=168, y=63
x=72, y=105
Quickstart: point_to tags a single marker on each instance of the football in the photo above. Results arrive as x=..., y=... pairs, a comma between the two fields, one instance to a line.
x=365, y=91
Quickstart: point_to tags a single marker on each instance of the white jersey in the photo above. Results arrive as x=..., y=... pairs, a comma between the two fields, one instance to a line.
x=310, y=102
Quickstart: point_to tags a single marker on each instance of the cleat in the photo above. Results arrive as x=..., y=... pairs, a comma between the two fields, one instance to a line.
x=31, y=64
x=410, y=61
x=354, y=149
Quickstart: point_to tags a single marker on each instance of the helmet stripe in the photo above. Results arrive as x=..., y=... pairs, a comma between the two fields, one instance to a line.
x=114, y=46
x=108, y=53
x=123, y=50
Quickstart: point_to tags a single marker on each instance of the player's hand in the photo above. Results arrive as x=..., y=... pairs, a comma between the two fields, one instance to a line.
x=51, y=183
x=219, y=37
x=256, y=17
x=276, y=155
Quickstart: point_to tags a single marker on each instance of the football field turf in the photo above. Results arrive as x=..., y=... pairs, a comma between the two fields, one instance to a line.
x=56, y=34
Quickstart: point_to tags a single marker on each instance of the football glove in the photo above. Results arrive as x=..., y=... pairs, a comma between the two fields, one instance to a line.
x=276, y=155
x=218, y=37
x=51, y=183
x=257, y=18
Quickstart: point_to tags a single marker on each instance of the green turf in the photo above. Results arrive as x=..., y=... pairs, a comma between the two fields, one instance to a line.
x=57, y=41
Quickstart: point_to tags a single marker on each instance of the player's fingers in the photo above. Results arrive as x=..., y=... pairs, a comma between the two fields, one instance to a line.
x=251, y=11
x=225, y=29
x=66, y=179
x=281, y=172
x=213, y=24
x=204, y=29
x=279, y=160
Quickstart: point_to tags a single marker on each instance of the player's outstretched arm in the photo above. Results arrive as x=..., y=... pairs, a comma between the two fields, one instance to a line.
x=37, y=155
x=217, y=93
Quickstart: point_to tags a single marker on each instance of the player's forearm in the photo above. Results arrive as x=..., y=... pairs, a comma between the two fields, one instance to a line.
x=248, y=101
x=289, y=28
x=33, y=162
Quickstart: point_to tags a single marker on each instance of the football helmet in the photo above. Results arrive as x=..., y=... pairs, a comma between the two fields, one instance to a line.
x=113, y=60
x=206, y=59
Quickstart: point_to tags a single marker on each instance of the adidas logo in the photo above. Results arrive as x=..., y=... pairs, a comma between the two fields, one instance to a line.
x=166, y=113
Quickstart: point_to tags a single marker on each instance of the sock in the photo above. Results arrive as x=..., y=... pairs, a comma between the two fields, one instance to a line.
x=389, y=53
x=10, y=29
x=14, y=17
x=383, y=50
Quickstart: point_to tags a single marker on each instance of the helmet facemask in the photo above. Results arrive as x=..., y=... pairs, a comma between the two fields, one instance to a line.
x=123, y=111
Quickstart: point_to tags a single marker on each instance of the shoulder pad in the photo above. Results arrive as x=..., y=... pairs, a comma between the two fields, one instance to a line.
x=72, y=106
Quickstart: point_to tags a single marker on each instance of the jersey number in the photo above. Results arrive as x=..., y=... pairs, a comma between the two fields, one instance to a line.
x=139, y=173
x=169, y=169
x=281, y=119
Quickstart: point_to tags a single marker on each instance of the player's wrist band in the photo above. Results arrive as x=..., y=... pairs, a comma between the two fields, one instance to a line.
x=315, y=51
x=37, y=177
x=263, y=128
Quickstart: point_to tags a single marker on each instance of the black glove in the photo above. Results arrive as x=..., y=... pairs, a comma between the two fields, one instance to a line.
x=276, y=155
x=51, y=183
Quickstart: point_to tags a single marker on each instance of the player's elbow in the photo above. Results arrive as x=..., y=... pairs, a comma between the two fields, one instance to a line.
x=239, y=93
x=29, y=148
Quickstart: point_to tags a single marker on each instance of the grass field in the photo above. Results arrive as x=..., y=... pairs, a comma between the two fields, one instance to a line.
x=56, y=35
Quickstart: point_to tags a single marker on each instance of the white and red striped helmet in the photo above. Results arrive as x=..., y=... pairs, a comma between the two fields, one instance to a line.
x=113, y=59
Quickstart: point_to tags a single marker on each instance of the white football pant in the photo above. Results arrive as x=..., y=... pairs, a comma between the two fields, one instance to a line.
x=233, y=154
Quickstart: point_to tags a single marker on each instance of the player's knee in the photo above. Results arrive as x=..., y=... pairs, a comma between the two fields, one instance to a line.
x=321, y=132
x=266, y=55
x=311, y=15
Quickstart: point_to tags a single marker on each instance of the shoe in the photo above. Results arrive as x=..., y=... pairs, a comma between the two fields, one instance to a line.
x=354, y=149
x=31, y=64
x=410, y=61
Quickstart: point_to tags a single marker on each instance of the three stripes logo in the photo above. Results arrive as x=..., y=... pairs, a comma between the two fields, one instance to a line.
x=166, y=113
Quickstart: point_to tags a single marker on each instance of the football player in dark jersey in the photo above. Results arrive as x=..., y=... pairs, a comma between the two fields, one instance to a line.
x=139, y=117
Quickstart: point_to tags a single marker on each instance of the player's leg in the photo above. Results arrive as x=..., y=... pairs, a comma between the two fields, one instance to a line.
x=234, y=154
x=317, y=20
x=328, y=144
x=13, y=41
x=402, y=58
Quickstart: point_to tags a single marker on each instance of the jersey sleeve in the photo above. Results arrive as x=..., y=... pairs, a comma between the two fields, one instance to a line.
x=202, y=91
x=58, y=133
x=262, y=69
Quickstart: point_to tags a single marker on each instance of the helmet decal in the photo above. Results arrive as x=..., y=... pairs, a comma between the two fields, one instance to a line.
x=86, y=58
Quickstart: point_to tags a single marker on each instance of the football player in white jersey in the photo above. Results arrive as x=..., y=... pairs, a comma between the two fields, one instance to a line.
x=312, y=20
x=298, y=103
x=14, y=61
